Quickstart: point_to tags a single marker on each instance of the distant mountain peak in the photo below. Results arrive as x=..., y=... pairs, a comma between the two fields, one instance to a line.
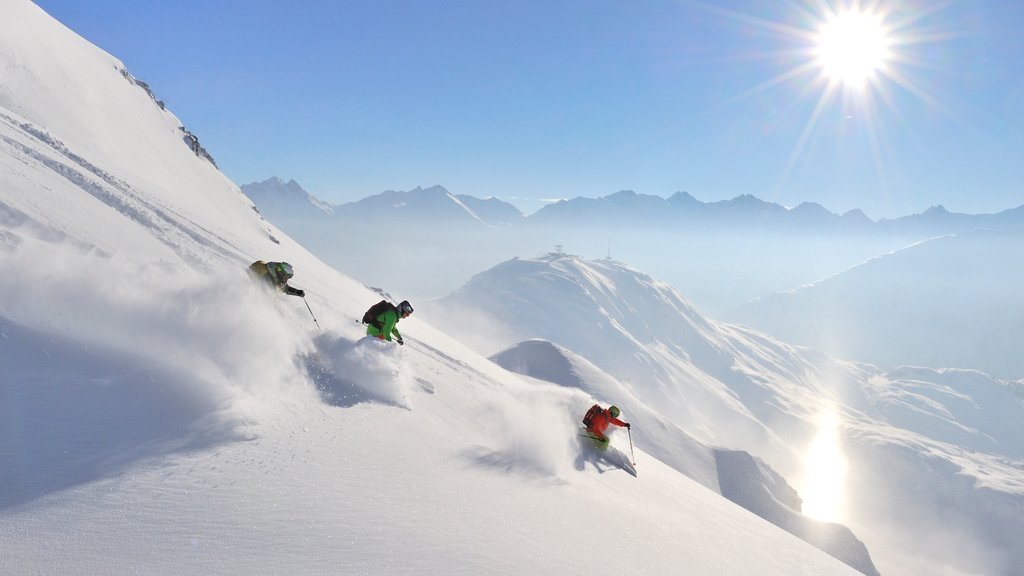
x=811, y=207
x=434, y=203
x=435, y=190
x=274, y=194
x=683, y=199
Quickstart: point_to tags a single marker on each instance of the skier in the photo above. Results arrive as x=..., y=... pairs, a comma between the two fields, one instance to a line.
x=381, y=319
x=597, y=420
x=277, y=275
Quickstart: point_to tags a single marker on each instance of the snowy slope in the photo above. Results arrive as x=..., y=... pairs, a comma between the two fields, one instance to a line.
x=737, y=475
x=858, y=443
x=162, y=415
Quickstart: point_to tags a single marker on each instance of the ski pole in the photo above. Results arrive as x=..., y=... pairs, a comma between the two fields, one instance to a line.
x=631, y=455
x=311, y=313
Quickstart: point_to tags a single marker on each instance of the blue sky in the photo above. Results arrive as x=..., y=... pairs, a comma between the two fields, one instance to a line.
x=534, y=100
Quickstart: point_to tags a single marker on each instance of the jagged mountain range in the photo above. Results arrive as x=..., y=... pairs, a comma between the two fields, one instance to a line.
x=279, y=200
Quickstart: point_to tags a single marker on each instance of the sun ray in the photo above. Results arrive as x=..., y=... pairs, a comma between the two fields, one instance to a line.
x=844, y=57
x=823, y=100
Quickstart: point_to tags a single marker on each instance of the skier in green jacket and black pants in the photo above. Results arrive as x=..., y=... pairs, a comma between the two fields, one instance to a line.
x=382, y=318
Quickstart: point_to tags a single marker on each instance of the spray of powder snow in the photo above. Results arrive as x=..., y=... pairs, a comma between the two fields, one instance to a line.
x=348, y=372
x=531, y=429
x=231, y=336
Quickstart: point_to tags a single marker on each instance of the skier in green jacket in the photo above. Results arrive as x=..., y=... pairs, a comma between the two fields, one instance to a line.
x=382, y=318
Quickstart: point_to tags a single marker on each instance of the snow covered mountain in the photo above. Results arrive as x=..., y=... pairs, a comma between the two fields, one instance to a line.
x=429, y=205
x=290, y=204
x=737, y=475
x=162, y=414
x=950, y=301
x=857, y=443
x=286, y=200
x=627, y=209
x=721, y=254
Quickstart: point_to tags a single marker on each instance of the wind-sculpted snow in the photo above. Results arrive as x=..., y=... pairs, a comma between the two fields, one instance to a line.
x=179, y=235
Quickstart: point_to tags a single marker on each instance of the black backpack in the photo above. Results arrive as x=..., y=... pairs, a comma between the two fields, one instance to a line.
x=370, y=317
x=588, y=418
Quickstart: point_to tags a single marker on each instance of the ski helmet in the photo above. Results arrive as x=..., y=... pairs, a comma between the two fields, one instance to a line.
x=285, y=270
x=614, y=411
x=404, y=308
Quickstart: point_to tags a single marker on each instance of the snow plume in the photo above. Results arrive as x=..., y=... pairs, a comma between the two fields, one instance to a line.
x=349, y=372
x=228, y=335
x=531, y=430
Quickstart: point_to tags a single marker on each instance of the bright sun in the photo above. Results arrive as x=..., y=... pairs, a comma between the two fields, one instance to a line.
x=852, y=47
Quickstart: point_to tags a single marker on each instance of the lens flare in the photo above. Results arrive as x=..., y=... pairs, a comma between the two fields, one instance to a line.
x=824, y=483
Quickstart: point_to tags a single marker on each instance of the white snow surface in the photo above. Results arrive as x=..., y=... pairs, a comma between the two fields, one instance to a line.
x=160, y=414
x=912, y=459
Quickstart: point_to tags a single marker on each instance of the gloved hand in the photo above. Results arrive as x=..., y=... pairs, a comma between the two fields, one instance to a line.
x=400, y=341
x=628, y=426
x=300, y=293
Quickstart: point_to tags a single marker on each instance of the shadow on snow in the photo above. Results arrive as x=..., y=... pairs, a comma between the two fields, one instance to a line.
x=73, y=413
x=602, y=458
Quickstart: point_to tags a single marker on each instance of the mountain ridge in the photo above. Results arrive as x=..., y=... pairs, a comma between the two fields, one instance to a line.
x=627, y=208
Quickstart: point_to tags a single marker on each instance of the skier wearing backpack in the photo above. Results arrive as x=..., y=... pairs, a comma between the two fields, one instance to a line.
x=277, y=274
x=597, y=420
x=382, y=318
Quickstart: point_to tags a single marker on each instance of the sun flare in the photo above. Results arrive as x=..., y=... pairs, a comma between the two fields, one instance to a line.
x=824, y=485
x=852, y=47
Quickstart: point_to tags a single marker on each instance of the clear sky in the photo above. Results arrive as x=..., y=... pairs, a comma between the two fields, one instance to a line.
x=533, y=100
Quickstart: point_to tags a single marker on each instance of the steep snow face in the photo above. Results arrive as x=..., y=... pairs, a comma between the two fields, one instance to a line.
x=659, y=436
x=152, y=395
x=737, y=475
x=87, y=138
x=857, y=442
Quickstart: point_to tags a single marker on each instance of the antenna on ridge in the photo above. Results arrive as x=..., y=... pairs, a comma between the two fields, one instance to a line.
x=609, y=256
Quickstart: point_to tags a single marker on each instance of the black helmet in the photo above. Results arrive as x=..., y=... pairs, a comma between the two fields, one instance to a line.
x=404, y=308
